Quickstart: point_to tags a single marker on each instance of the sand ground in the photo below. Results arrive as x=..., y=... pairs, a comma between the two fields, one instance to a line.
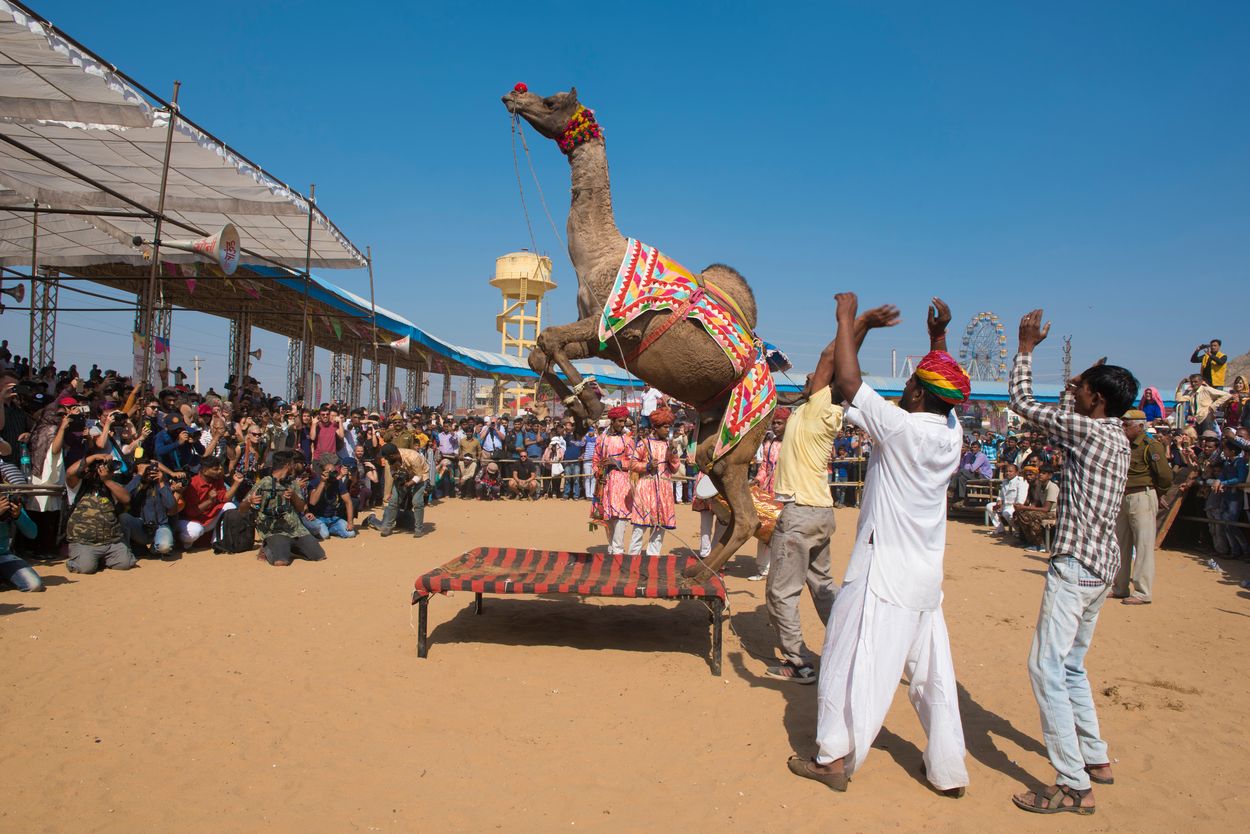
x=217, y=694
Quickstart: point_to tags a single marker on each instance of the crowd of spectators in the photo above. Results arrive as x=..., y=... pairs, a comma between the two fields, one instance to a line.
x=106, y=474
x=1204, y=440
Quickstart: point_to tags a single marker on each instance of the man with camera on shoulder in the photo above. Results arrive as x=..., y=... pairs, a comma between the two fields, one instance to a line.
x=94, y=529
x=278, y=502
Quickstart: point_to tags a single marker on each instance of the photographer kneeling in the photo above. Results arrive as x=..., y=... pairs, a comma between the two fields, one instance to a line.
x=146, y=521
x=408, y=474
x=94, y=530
x=279, y=503
x=328, y=496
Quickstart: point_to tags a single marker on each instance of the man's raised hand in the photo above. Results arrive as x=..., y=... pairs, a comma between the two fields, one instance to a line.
x=1032, y=331
x=939, y=317
x=887, y=315
x=848, y=307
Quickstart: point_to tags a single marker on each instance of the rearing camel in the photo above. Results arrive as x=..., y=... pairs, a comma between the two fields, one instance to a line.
x=684, y=362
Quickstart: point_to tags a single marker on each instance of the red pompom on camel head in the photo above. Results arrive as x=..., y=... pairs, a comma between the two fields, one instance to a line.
x=559, y=117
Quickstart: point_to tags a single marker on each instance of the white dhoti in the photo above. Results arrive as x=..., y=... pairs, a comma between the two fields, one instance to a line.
x=708, y=522
x=869, y=644
x=652, y=537
x=616, y=536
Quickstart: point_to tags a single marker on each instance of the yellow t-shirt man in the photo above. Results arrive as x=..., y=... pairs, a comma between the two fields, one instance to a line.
x=806, y=447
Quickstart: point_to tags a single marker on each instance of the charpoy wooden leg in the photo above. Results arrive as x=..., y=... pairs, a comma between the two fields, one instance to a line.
x=718, y=619
x=423, y=646
x=477, y=604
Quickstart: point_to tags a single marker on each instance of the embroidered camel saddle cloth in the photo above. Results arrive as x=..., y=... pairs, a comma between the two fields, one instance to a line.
x=648, y=281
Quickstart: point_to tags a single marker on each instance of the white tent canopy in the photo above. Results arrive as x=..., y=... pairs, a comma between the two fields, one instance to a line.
x=100, y=133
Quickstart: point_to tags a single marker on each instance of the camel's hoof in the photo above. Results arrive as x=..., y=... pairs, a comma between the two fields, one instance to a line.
x=695, y=570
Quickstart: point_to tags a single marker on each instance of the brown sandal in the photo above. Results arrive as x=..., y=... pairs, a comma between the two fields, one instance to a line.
x=1054, y=800
x=800, y=766
x=1101, y=780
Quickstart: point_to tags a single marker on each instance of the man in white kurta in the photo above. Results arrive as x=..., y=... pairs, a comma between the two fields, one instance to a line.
x=887, y=621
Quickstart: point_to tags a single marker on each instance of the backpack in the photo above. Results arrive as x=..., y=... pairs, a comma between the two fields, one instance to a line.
x=238, y=533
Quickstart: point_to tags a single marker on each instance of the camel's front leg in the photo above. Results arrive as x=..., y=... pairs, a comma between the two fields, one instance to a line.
x=563, y=344
x=541, y=363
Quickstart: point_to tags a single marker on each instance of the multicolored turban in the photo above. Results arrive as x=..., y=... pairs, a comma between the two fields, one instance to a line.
x=942, y=377
x=661, y=417
x=781, y=415
x=619, y=412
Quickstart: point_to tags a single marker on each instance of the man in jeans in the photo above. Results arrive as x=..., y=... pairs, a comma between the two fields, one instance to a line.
x=573, y=448
x=409, y=475
x=146, y=522
x=329, y=499
x=1085, y=557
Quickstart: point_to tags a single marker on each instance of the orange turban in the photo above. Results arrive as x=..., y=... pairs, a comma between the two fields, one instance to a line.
x=661, y=417
x=619, y=412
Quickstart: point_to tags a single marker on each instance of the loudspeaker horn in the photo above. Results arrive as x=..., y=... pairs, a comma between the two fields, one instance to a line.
x=256, y=354
x=222, y=247
x=17, y=291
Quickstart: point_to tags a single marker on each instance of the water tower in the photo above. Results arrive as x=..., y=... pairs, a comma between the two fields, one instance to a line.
x=523, y=278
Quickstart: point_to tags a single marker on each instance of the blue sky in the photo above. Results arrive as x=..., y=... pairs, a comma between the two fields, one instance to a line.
x=1093, y=159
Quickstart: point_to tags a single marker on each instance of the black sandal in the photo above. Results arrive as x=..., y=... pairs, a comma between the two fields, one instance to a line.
x=1050, y=800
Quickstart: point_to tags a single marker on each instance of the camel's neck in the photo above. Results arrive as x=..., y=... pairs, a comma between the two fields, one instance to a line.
x=592, y=228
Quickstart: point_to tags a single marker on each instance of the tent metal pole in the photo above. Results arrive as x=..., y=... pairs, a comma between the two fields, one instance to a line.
x=373, y=308
x=34, y=270
x=150, y=298
x=306, y=350
x=82, y=212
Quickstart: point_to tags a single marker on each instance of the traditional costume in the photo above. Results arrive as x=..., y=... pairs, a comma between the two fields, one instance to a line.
x=612, y=461
x=652, y=508
x=887, y=619
x=765, y=476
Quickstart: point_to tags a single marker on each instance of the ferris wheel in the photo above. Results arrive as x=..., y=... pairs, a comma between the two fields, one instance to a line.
x=983, y=349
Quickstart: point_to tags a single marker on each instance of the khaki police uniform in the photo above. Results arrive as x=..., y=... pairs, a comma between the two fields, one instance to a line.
x=1149, y=476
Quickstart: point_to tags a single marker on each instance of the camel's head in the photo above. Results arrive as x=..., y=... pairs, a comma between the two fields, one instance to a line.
x=549, y=116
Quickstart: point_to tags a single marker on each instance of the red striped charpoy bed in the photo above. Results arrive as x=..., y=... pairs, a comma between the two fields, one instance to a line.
x=511, y=570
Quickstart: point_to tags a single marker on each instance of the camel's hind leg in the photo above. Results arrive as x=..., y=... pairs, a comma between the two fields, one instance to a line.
x=730, y=475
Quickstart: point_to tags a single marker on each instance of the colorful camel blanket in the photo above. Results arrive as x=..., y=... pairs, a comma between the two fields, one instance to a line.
x=649, y=281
